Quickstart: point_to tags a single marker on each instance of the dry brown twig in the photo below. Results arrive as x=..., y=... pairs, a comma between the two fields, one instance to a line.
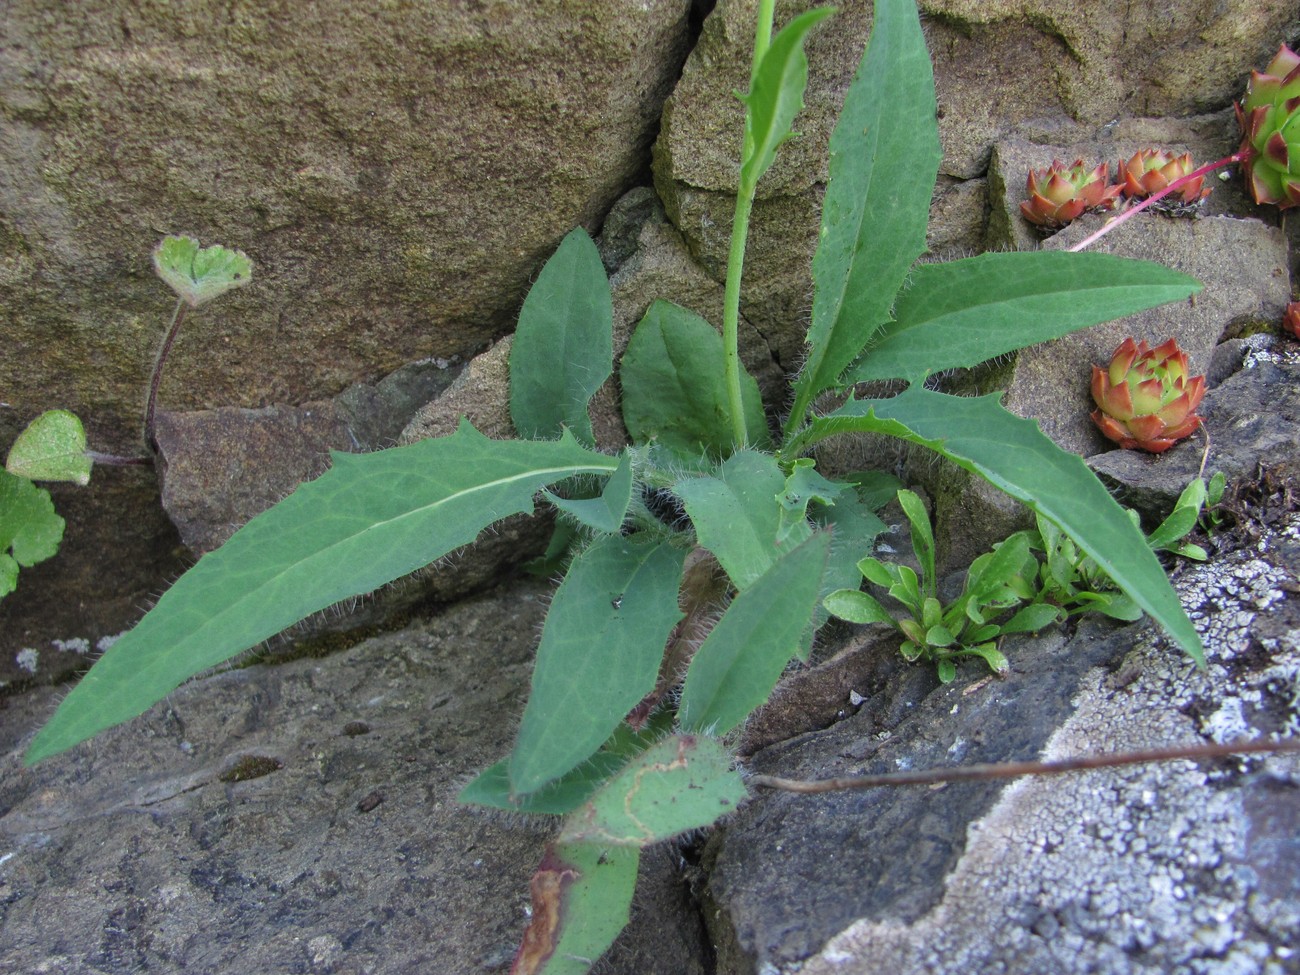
x=1011, y=770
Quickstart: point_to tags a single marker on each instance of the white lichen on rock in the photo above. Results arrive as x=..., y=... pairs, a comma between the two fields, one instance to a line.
x=1144, y=869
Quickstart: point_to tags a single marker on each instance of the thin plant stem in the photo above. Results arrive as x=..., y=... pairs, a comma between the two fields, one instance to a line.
x=731, y=314
x=736, y=255
x=1173, y=187
x=178, y=316
x=763, y=32
x=1011, y=770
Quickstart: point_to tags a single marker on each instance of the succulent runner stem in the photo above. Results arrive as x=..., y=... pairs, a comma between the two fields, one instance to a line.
x=1173, y=187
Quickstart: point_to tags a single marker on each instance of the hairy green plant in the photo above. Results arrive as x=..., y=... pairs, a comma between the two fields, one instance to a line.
x=720, y=594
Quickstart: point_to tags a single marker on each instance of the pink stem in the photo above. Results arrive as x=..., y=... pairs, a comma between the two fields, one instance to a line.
x=1177, y=184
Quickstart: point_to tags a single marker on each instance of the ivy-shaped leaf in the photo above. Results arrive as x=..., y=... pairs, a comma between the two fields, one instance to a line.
x=29, y=528
x=199, y=274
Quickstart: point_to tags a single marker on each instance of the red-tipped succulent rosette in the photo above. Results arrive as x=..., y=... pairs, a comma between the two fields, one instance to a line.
x=1270, y=126
x=1145, y=398
x=1149, y=171
x=1060, y=193
x=1291, y=319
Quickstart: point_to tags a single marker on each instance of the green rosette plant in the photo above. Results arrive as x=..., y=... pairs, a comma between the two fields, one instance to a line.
x=1270, y=126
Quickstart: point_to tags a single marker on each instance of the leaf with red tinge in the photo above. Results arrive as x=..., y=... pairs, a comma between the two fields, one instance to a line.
x=581, y=894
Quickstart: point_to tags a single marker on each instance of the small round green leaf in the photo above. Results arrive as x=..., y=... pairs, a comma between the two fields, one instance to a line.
x=52, y=448
x=197, y=274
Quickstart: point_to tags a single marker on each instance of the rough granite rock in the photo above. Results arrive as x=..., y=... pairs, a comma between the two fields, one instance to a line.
x=1162, y=868
x=1069, y=68
x=1177, y=867
x=301, y=818
x=221, y=467
x=397, y=173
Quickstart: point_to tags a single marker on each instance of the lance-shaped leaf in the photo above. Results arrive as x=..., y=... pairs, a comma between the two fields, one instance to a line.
x=563, y=349
x=884, y=158
x=740, y=661
x=51, y=448
x=601, y=646
x=776, y=94
x=581, y=897
x=674, y=386
x=1014, y=455
x=492, y=786
x=370, y=519
x=684, y=782
x=199, y=274
x=963, y=312
x=737, y=517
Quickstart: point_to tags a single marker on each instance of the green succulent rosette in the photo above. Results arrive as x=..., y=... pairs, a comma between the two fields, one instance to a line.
x=1270, y=125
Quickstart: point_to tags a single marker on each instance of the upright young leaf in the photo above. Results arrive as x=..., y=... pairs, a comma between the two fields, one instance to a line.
x=803, y=486
x=370, y=519
x=884, y=158
x=736, y=515
x=776, y=94
x=963, y=312
x=563, y=349
x=740, y=661
x=601, y=646
x=674, y=390
x=1014, y=455
x=581, y=896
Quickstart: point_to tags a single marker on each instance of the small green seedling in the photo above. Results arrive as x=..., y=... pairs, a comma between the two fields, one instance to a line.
x=1194, y=509
x=53, y=446
x=1040, y=574
x=932, y=631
